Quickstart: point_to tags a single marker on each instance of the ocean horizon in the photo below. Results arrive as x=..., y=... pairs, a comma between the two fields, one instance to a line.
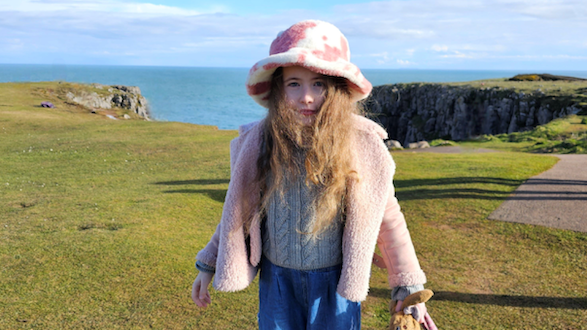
x=217, y=96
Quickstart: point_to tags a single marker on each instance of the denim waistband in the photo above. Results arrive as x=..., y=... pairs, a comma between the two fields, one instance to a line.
x=318, y=270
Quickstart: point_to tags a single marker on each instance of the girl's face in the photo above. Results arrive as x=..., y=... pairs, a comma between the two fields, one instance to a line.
x=304, y=92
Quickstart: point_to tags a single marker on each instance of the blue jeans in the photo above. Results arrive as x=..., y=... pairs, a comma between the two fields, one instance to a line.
x=296, y=299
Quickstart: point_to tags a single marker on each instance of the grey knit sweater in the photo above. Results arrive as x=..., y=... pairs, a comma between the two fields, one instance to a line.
x=287, y=241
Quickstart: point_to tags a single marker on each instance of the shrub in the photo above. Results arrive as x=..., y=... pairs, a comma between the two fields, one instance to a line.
x=442, y=143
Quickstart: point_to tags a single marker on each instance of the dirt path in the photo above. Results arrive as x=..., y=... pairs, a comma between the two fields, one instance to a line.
x=556, y=198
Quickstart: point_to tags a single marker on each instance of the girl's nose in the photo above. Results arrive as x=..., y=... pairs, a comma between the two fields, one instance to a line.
x=307, y=96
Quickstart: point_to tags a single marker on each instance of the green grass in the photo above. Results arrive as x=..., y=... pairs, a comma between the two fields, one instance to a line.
x=100, y=221
x=574, y=91
x=566, y=135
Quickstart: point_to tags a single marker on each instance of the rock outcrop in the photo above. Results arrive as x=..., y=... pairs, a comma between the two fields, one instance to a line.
x=417, y=112
x=124, y=97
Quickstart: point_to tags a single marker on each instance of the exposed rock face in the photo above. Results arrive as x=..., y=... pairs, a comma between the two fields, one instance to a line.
x=125, y=97
x=418, y=112
x=89, y=100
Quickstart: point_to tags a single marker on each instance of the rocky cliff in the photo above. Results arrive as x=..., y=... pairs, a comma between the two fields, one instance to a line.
x=425, y=111
x=108, y=97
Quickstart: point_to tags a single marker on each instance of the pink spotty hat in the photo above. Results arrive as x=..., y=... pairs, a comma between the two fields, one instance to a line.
x=315, y=45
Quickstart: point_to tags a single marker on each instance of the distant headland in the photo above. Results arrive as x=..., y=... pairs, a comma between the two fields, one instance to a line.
x=415, y=112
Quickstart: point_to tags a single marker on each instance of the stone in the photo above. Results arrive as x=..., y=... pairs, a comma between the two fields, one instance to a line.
x=126, y=116
x=393, y=145
x=419, y=145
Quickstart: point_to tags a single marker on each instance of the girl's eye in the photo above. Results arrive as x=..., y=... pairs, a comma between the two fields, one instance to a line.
x=293, y=84
x=319, y=84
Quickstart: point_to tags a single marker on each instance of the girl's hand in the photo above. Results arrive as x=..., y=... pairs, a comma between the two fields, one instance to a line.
x=417, y=311
x=200, y=293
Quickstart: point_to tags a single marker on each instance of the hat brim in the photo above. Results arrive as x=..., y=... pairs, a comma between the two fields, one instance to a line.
x=259, y=79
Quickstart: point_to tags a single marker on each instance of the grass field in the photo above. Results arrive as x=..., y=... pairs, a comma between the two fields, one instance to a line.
x=566, y=135
x=100, y=221
x=555, y=92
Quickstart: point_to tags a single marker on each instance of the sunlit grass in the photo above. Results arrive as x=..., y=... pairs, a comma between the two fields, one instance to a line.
x=100, y=221
x=566, y=135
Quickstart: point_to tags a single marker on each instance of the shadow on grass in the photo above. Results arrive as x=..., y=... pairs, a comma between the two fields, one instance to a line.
x=215, y=194
x=410, y=189
x=187, y=182
x=498, y=300
x=463, y=193
x=514, y=301
x=458, y=180
x=409, y=193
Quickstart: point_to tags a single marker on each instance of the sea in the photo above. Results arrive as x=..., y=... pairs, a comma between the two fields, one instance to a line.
x=215, y=96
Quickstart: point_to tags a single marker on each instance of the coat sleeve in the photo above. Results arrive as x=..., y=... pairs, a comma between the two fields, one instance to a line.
x=209, y=253
x=395, y=245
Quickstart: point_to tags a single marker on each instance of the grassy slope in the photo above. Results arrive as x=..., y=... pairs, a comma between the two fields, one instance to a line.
x=567, y=92
x=566, y=135
x=100, y=221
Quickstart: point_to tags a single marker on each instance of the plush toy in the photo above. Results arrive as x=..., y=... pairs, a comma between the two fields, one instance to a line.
x=401, y=321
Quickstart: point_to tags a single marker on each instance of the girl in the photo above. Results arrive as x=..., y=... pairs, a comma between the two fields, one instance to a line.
x=310, y=193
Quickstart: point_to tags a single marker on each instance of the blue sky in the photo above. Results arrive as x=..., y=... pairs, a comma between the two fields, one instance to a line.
x=417, y=34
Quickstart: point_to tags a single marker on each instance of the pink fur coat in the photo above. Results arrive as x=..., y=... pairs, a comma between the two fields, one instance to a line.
x=373, y=216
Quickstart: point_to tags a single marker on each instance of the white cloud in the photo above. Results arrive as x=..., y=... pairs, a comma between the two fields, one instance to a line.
x=225, y=42
x=457, y=54
x=404, y=62
x=13, y=44
x=547, y=9
x=439, y=48
x=381, y=30
x=468, y=47
x=544, y=57
x=483, y=48
x=110, y=6
x=380, y=58
x=383, y=55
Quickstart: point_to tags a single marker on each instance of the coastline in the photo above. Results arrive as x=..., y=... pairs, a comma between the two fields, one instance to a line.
x=215, y=96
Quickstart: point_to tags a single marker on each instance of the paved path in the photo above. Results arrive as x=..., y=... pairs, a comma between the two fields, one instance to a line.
x=556, y=198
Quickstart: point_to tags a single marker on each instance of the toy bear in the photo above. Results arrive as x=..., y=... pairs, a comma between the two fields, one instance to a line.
x=401, y=321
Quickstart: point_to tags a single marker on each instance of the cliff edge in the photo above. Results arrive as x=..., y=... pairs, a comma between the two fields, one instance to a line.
x=460, y=111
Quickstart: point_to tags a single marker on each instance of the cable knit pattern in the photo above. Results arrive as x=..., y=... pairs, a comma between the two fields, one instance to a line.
x=286, y=242
x=373, y=215
x=279, y=230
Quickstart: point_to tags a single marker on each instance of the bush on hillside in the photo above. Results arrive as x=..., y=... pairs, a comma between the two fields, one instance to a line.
x=442, y=143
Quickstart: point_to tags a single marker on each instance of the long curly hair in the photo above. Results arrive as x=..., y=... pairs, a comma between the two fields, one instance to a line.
x=326, y=143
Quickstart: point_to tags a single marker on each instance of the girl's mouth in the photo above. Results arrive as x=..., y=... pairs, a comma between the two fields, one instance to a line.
x=308, y=112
